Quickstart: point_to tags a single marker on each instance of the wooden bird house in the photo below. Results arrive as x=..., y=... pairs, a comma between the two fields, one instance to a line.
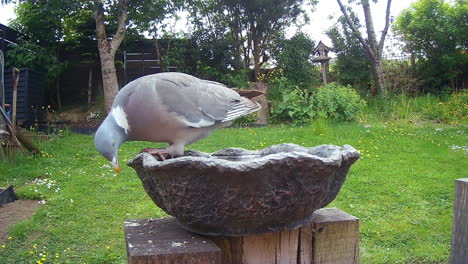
x=321, y=53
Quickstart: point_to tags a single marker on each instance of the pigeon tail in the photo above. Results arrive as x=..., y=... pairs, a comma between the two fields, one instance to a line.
x=242, y=108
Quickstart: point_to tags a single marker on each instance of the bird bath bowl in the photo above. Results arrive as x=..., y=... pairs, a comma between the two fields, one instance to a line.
x=238, y=192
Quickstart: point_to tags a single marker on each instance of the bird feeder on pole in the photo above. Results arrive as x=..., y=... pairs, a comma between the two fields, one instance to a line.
x=322, y=52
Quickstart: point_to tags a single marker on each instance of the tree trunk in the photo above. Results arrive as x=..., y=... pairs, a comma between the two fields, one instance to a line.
x=373, y=48
x=107, y=50
x=256, y=57
x=377, y=69
x=57, y=93
x=90, y=85
x=109, y=78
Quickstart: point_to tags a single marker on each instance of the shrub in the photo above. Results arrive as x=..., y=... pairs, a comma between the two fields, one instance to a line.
x=332, y=102
x=454, y=111
x=339, y=103
x=295, y=107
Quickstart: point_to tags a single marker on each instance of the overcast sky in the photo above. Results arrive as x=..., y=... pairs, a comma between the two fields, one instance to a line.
x=319, y=20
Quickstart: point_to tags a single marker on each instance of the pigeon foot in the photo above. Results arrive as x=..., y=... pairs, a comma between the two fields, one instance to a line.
x=161, y=153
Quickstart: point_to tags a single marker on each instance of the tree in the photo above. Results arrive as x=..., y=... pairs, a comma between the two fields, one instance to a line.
x=440, y=54
x=108, y=48
x=373, y=48
x=141, y=14
x=42, y=23
x=352, y=65
x=250, y=25
x=110, y=16
x=293, y=58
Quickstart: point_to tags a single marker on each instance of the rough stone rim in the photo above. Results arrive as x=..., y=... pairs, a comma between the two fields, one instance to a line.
x=261, y=157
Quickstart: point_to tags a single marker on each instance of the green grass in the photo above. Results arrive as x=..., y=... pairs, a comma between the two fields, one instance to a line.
x=401, y=190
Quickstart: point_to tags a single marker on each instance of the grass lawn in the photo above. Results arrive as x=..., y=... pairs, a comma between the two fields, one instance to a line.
x=401, y=190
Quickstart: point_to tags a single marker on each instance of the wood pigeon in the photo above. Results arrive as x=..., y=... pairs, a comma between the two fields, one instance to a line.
x=170, y=107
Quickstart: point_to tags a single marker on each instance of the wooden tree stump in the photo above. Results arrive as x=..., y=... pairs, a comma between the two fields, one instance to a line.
x=459, y=254
x=262, y=118
x=332, y=237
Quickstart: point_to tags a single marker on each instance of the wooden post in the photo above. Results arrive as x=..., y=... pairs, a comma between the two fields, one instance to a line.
x=15, y=73
x=336, y=237
x=162, y=241
x=459, y=254
x=332, y=237
x=262, y=118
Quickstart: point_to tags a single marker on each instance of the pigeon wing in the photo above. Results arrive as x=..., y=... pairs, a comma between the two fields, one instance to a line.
x=201, y=103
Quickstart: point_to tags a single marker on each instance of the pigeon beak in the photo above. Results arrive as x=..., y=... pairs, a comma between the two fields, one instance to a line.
x=115, y=164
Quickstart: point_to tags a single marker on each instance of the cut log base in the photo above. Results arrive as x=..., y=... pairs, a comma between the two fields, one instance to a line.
x=331, y=237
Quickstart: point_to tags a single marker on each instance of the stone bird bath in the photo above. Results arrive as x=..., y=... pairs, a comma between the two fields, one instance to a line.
x=238, y=192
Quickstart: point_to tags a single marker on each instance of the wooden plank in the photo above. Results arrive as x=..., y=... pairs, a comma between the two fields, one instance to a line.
x=459, y=252
x=335, y=237
x=332, y=237
x=229, y=246
x=287, y=247
x=305, y=244
x=259, y=249
x=162, y=241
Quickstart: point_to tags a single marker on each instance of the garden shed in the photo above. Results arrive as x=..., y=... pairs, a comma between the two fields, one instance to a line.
x=31, y=95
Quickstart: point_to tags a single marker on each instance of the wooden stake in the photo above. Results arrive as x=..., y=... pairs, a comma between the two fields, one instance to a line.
x=15, y=73
x=459, y=254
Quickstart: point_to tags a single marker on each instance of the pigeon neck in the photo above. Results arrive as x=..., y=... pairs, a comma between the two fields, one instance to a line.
x=118, y=134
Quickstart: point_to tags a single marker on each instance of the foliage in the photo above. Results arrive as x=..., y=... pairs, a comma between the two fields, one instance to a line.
x=339, y=103
x=45, y=26
x=292, y=57
x=372, y=46
x=440, y=57
x=29, y=55
x=332, y=102
x=295, y=105
x=43, y=21
x=352, y=65
x=384, y=189
x=454, y=111
x=248, y=27
x=400, y=77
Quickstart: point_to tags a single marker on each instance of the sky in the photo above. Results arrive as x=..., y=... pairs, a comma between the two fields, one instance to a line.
x=319, y=20
x=327, y=12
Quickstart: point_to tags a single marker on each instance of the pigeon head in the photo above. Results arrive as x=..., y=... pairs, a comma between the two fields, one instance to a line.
x=108, y=139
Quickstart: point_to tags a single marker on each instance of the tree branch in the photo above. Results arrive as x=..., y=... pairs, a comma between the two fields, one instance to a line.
x=385, y=31
x=370, y=28
x=121, y=27
x=356, y=31
x=100, y=28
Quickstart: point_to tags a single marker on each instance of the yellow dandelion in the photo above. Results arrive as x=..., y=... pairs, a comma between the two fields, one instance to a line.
x=10, y=238
x=3, y=246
